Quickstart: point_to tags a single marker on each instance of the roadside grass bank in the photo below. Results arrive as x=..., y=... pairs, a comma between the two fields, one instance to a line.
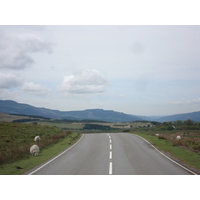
x=23, y=165
x=17, y=138
x=181, y=154
x=185, y=156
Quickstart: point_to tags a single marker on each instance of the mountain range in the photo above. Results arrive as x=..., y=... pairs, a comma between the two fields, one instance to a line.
x=12, y=107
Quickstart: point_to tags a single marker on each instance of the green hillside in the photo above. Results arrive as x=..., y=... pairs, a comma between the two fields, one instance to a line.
x=17, y=138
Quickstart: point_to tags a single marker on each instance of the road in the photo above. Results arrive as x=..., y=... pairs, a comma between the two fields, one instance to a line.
x=110, y=154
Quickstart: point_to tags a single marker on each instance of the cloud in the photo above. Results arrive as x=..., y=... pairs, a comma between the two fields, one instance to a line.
x=16, y=50
x=35, y=89
x=194, y=101
x=6, y=94
x=9, y=81
x=191, y=102
x=89, y=81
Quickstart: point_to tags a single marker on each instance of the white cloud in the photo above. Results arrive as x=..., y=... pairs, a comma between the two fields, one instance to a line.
x=9, y=81
x=5, y=94
x=191, y=102
x=194, y=101
x=16, y=50
x=35, y=89
x=89, y=81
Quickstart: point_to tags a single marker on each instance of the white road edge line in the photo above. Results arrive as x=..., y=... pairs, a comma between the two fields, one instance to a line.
x=110, y=168
x=56, y=156
x=110, y=146
x=167, y=156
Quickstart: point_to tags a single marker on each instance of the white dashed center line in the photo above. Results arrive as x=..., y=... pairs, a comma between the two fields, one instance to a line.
x=110, y=157
x=110, y=168
x=110, y=154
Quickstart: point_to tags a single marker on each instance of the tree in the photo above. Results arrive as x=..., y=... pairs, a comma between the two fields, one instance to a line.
x=178, y=123
x=188, y=122
x=170, y=128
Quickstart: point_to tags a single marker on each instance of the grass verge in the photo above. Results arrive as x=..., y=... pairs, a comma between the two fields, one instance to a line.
x=191, y=159
x=21, y=166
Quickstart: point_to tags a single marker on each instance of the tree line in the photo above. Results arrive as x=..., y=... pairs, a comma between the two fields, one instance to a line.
x=178, y=125
x=96, y=127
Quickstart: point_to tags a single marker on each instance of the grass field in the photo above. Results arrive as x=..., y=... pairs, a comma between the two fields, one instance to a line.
x=190, y=139
x=9, y=118
x=80, y=125
x=21, y=166
x=67, y=126
x=17, y=138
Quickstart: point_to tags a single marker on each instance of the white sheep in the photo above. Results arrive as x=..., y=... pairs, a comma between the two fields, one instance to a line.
x=37, y=138
x=157, y=134
x=178, y=137
x=34, y=150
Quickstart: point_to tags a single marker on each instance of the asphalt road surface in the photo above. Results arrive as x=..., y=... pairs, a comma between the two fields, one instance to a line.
x=110, y=154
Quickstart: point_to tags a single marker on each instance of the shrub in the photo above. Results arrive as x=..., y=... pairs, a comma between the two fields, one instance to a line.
x=197, y=147
x=162, y=137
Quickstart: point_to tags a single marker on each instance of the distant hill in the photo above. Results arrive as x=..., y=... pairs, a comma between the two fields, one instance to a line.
x=12, y=107
x=194, y=116
x=103, y=115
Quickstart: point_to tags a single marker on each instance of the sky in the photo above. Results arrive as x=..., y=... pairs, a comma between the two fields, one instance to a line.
x=135, y=69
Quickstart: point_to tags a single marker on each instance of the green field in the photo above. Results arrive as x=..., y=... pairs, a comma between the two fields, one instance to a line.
x=80, y=125
x=64, y=126
x=22, y=165
x=17, y=138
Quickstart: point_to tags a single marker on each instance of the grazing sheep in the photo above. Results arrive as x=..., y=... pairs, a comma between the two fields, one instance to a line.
x=178, y=137
x=37, y=138
x=34, y=150
x=157, y=135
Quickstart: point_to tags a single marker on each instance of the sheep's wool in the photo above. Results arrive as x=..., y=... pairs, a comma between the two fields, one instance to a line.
x=178, y=137
x=34, y=150
x=37, y=138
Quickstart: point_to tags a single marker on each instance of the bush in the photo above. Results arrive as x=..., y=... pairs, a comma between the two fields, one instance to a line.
x=162, y=137
x=197, y=147
x=177, y=143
